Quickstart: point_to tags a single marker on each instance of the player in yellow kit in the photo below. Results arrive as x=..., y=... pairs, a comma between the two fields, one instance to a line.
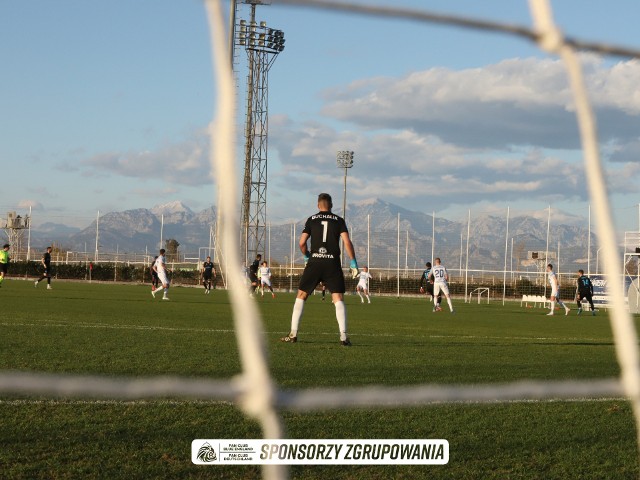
x=4, y=262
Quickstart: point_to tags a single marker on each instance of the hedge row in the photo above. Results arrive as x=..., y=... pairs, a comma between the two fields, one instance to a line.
x=190, y=276
x=101, y=272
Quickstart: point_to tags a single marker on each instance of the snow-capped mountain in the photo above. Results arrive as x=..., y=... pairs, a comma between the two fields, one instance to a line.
x=374, y=221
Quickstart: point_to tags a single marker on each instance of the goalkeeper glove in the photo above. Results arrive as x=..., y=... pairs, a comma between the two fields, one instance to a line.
x=306, y=258
x=353, y=268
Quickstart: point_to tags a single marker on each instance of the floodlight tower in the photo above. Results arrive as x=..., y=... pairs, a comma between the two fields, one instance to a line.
x=344, y=160
x=14, y=227
x=262, y=44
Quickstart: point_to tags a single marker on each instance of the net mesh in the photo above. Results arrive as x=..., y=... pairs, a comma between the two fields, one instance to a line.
x=254, y=391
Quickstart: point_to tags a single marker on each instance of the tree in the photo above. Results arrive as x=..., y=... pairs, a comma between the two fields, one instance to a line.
x=172, y=249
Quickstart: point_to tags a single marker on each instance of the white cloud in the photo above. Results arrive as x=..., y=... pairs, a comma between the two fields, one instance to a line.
x=184, y=163
x=514, y=102
x=419, y=172
x=430, y=140
x=440, y=138
x=34, y=204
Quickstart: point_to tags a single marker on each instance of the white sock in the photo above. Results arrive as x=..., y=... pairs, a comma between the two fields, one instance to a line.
x=368, y=299
x=553, y=306
x=298, y=308
x=449, y=302
x=360, y=294
x=341, y=316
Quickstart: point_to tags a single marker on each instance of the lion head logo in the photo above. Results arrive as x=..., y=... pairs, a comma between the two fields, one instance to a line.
x=206, y=453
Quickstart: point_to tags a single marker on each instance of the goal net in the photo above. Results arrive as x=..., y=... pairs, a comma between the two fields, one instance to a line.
x=255, y=391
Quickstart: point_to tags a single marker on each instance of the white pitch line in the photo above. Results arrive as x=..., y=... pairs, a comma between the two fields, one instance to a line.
x=28, y=402
x=222, y=330
x=116, y=327
x=114, y=402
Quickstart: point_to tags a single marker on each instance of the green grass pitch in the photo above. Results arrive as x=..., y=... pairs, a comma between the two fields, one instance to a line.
x=120, y=330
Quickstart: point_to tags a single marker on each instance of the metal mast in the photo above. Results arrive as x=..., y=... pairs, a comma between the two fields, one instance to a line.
x=14, y=227
x=262, y=44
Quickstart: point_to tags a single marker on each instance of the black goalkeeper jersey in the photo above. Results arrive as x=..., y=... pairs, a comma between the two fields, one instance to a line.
x=208, y=268
x=253, y=268
x=425, y=277
x=585, y=285
x=325, y=229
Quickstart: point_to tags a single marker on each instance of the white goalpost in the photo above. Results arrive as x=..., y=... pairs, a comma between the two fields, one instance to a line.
x=254, y=391
x=480, y=292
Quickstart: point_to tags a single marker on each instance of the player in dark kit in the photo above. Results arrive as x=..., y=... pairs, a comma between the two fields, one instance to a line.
x=253, y=274
x=325, y=229
x=208, y=273
x=426, y=284
x=154, y=275
x=585, y=291
x=46, y=263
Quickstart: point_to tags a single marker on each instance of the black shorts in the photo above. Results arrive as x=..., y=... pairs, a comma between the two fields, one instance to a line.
x=586, y=295
x=327, y=272
x=429, y=288
x=4, y=267
x=253, y=278
x=207, y=276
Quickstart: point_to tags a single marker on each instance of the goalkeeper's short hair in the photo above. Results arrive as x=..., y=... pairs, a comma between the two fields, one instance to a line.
x=325, y=198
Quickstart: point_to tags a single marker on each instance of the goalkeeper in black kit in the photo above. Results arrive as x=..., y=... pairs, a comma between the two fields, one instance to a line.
x=585, y=291
x=322, y=259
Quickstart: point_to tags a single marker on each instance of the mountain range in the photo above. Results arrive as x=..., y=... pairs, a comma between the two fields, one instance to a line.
x=372, y=222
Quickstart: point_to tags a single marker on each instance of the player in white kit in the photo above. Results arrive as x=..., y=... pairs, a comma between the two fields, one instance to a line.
x=160, y=267
x=440, y=279
x=553, y=281
x=265, y=278
x=363, y=284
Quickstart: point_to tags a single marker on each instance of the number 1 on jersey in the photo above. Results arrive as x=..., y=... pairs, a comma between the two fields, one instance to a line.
x=325, y=227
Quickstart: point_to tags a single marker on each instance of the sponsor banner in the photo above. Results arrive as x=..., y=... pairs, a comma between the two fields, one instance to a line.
x=320, y=452
x=601, y=295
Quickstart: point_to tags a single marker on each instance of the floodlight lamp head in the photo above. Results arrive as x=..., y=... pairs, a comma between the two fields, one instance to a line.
x=345, y=159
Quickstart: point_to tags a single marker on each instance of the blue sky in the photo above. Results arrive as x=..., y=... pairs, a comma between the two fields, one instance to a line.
x=105, y=104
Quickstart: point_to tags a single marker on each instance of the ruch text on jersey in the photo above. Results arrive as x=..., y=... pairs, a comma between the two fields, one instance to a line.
x=328, y=216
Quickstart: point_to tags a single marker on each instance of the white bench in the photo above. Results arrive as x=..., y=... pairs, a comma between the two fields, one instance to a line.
x=535, y=299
